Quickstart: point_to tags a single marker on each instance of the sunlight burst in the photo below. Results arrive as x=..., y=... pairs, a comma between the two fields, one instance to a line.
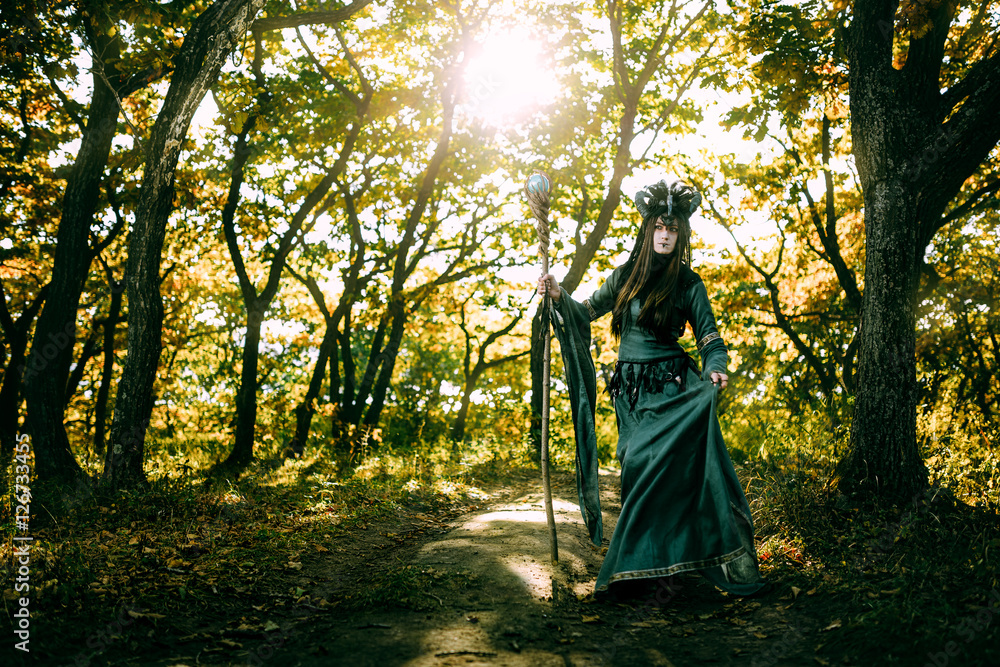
x=507, y=79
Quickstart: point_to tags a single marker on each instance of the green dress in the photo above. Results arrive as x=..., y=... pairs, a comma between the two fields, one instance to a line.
x=683, y=508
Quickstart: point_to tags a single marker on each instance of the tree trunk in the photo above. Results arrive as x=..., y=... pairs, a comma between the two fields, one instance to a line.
x=246, y=397
x=212, y=37
x=10, y=396
x=88, y=352
x=915, y=145
x=257, y=305
x=389, y=354
x=341, y=397
x=353, y=409
x=458, y=428
x=51, y=354
x=107, y=372
x=472, y=372
x=307, y=408
x=882, y=461
x=16, y=335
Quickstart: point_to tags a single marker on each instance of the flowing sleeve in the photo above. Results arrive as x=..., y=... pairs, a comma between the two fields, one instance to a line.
x=571, y=321
x=603, y=300
x=713, y=351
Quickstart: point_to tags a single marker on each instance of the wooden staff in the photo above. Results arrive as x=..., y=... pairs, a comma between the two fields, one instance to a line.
x=537, y=189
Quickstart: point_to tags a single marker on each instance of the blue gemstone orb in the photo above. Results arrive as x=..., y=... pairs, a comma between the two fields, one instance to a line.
x=537, y=184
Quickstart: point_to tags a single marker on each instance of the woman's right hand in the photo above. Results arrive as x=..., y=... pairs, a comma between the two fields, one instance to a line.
x=549, y=280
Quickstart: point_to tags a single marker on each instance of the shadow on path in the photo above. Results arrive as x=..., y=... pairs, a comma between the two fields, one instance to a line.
x=501, y=602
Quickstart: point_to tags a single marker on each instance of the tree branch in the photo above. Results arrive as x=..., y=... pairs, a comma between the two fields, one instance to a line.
x=325, y=17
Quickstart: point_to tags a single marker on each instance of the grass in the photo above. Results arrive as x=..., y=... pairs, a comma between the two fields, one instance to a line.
x=190, y=546
x=906, y=580
x=900, y=582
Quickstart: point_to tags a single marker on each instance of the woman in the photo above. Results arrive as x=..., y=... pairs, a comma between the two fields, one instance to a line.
x=683, y=508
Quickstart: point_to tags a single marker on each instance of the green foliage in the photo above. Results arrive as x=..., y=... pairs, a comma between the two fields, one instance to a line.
x=913, y=571
x=797, y=51
x=778, y=71
x=460, y=269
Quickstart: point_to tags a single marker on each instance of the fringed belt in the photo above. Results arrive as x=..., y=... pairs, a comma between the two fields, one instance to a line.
x=631, y=377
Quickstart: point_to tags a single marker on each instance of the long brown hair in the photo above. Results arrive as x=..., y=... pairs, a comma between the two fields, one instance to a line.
x=657, y=287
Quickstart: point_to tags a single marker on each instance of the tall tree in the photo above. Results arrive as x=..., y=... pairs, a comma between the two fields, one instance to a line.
x=110, y=323
x=809, y=284
x=12, y=353
x=336, y=342
x=919, y=86
x=312, y=204
x=55, y=332
x=420, y=180
x=213, y=35
x=923, y=120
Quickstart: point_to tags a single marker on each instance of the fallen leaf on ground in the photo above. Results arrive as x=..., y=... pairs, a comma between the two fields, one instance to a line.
x=139, y=614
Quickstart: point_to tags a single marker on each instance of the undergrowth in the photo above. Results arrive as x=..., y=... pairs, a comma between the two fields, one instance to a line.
x=190, y=544
x=914, y=581
x=919, y=575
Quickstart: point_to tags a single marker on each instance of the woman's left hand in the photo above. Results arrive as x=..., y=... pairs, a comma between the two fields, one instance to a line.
x=720, y=379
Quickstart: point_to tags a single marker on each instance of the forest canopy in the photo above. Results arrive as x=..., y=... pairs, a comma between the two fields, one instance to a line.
x=247, y=229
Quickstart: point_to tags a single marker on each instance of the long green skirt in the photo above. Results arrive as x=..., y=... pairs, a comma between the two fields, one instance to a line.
x=682, y=505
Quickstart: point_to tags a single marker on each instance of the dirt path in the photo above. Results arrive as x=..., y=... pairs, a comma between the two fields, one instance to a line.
x=498, y=600
x=479, y=589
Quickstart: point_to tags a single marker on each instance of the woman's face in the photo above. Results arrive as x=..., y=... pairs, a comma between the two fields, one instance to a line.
x=664, y=236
